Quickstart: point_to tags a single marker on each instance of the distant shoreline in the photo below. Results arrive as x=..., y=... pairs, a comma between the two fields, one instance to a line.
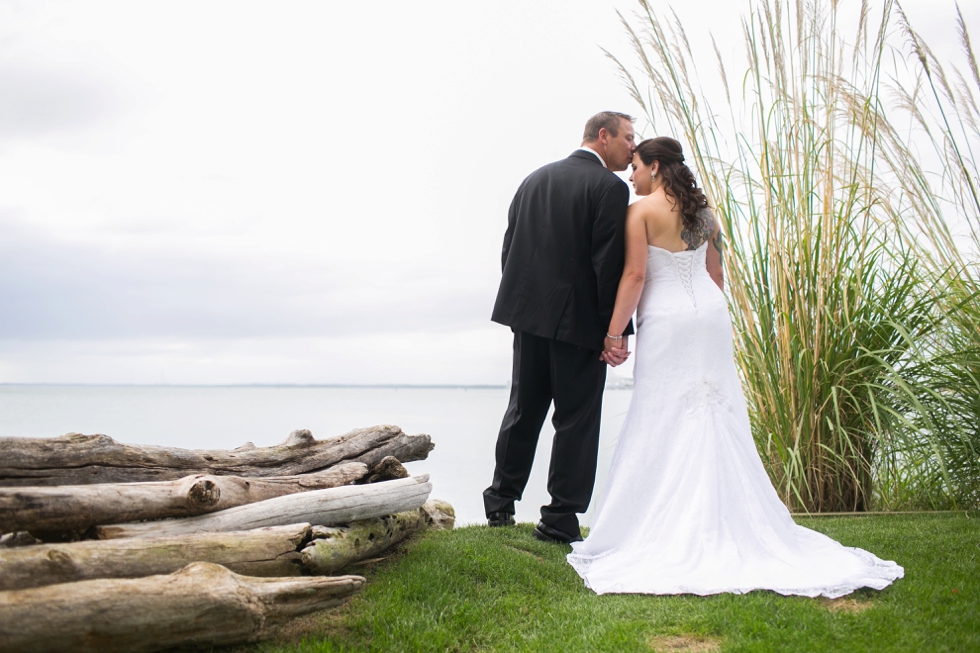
x=618, y=385
x=388, y=386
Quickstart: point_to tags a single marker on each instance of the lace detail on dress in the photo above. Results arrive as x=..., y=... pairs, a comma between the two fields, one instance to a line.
x=704, y=396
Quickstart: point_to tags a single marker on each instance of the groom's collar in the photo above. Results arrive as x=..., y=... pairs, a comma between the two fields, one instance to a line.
x=586, y=148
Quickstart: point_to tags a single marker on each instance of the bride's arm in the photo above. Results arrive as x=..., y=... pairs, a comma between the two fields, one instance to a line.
x=634, y=271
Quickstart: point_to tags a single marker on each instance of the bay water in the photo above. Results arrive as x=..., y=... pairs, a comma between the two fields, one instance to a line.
x=463, y=423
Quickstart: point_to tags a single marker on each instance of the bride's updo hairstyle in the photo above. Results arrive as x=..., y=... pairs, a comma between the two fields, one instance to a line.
x=678, y=179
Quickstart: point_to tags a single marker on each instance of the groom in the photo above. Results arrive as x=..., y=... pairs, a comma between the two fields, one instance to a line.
x=562, y=261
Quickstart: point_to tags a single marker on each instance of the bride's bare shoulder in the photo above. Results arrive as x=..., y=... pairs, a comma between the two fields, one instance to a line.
x=654, y=210
x=648, y=205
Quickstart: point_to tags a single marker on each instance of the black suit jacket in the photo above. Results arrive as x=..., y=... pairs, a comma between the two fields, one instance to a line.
x=564, y=252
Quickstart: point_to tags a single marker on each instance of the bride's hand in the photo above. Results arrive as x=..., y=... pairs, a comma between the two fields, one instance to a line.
x=614, y=357
x=616, y=351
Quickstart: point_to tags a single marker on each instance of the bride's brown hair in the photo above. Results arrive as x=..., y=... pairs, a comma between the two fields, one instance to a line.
x=678, y=180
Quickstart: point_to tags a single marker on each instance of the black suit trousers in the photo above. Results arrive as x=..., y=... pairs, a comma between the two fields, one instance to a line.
x=574, y=377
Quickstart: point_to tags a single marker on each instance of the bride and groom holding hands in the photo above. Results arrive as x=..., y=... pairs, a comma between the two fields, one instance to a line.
x=688, y=506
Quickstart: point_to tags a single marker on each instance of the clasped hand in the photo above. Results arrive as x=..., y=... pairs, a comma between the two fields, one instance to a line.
x=615, y=351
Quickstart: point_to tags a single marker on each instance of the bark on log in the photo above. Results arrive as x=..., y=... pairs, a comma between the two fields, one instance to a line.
x=338, y=505
x=388, y=469
x=77, y=459
x=440, y=514
x=20, y=538
x=335, y=547
x=269, y=551
x=201, y=605
x=77, y=507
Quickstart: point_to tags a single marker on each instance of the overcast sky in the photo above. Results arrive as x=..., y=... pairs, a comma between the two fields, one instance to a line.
x=289, y=192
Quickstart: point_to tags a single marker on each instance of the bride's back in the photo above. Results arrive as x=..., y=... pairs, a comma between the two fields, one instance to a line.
x=665, y=228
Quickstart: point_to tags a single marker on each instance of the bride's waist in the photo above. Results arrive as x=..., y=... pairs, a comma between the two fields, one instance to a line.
x=671, y=291
x=671, y=280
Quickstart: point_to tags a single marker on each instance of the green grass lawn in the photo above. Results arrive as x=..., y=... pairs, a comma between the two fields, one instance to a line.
x=482, y=589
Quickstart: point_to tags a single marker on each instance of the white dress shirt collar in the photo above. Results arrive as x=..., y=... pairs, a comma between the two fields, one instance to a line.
x=585, y=148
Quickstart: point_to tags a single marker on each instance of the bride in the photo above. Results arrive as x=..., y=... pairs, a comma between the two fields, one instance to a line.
x=688, y=507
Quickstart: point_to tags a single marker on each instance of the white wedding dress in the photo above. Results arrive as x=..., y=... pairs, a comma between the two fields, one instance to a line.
x=688, y=507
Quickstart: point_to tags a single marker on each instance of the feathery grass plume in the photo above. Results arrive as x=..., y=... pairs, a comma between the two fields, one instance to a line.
x=965, y=40
x=855, y=310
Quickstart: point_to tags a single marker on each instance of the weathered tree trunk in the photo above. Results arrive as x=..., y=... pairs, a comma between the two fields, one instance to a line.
x=77, y=507
x=338, y=546
x=440, y=515
x=76, y=459
x=339, y=505
x=269, y=551
x=201, y=605
x=20, y=538
x=335, y=547
x=388, y=469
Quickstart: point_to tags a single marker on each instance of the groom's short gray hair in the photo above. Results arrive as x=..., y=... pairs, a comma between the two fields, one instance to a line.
x=608, y=120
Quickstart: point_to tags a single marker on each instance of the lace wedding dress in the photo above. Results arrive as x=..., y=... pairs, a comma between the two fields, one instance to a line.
x=688, y=507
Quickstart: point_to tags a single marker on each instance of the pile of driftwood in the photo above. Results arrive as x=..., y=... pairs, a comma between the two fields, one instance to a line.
x=115, y=547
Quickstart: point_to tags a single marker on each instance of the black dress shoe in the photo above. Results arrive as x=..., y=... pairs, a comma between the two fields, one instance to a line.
x=546, y=533
x=500, y=519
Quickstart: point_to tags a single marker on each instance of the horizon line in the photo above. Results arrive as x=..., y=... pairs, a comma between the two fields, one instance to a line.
x=619, y=384
x=258, y=385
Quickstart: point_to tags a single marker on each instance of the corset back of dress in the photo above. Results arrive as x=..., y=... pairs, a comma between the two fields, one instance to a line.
x=678, y=281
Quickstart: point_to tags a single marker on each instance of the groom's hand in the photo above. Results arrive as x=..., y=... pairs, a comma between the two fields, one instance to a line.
x=614, y=357
x=615, y=352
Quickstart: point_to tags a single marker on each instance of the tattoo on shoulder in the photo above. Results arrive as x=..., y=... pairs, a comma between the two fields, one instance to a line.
x=701, y=232
x=719, y=243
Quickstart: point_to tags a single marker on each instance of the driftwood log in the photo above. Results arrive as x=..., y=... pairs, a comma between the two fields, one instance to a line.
x=77, y=459
x=273, y=551
x=20, y=538
x=201, y=605
x=269, y=551
x=388, y=469
x=335, y=547
x=77, y=507
x=339, y=505
x=441, y=515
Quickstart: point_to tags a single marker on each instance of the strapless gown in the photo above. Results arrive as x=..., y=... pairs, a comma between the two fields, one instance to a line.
x=688, y=507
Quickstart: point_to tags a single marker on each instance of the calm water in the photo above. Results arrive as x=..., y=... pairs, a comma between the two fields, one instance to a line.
x=463, y=423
